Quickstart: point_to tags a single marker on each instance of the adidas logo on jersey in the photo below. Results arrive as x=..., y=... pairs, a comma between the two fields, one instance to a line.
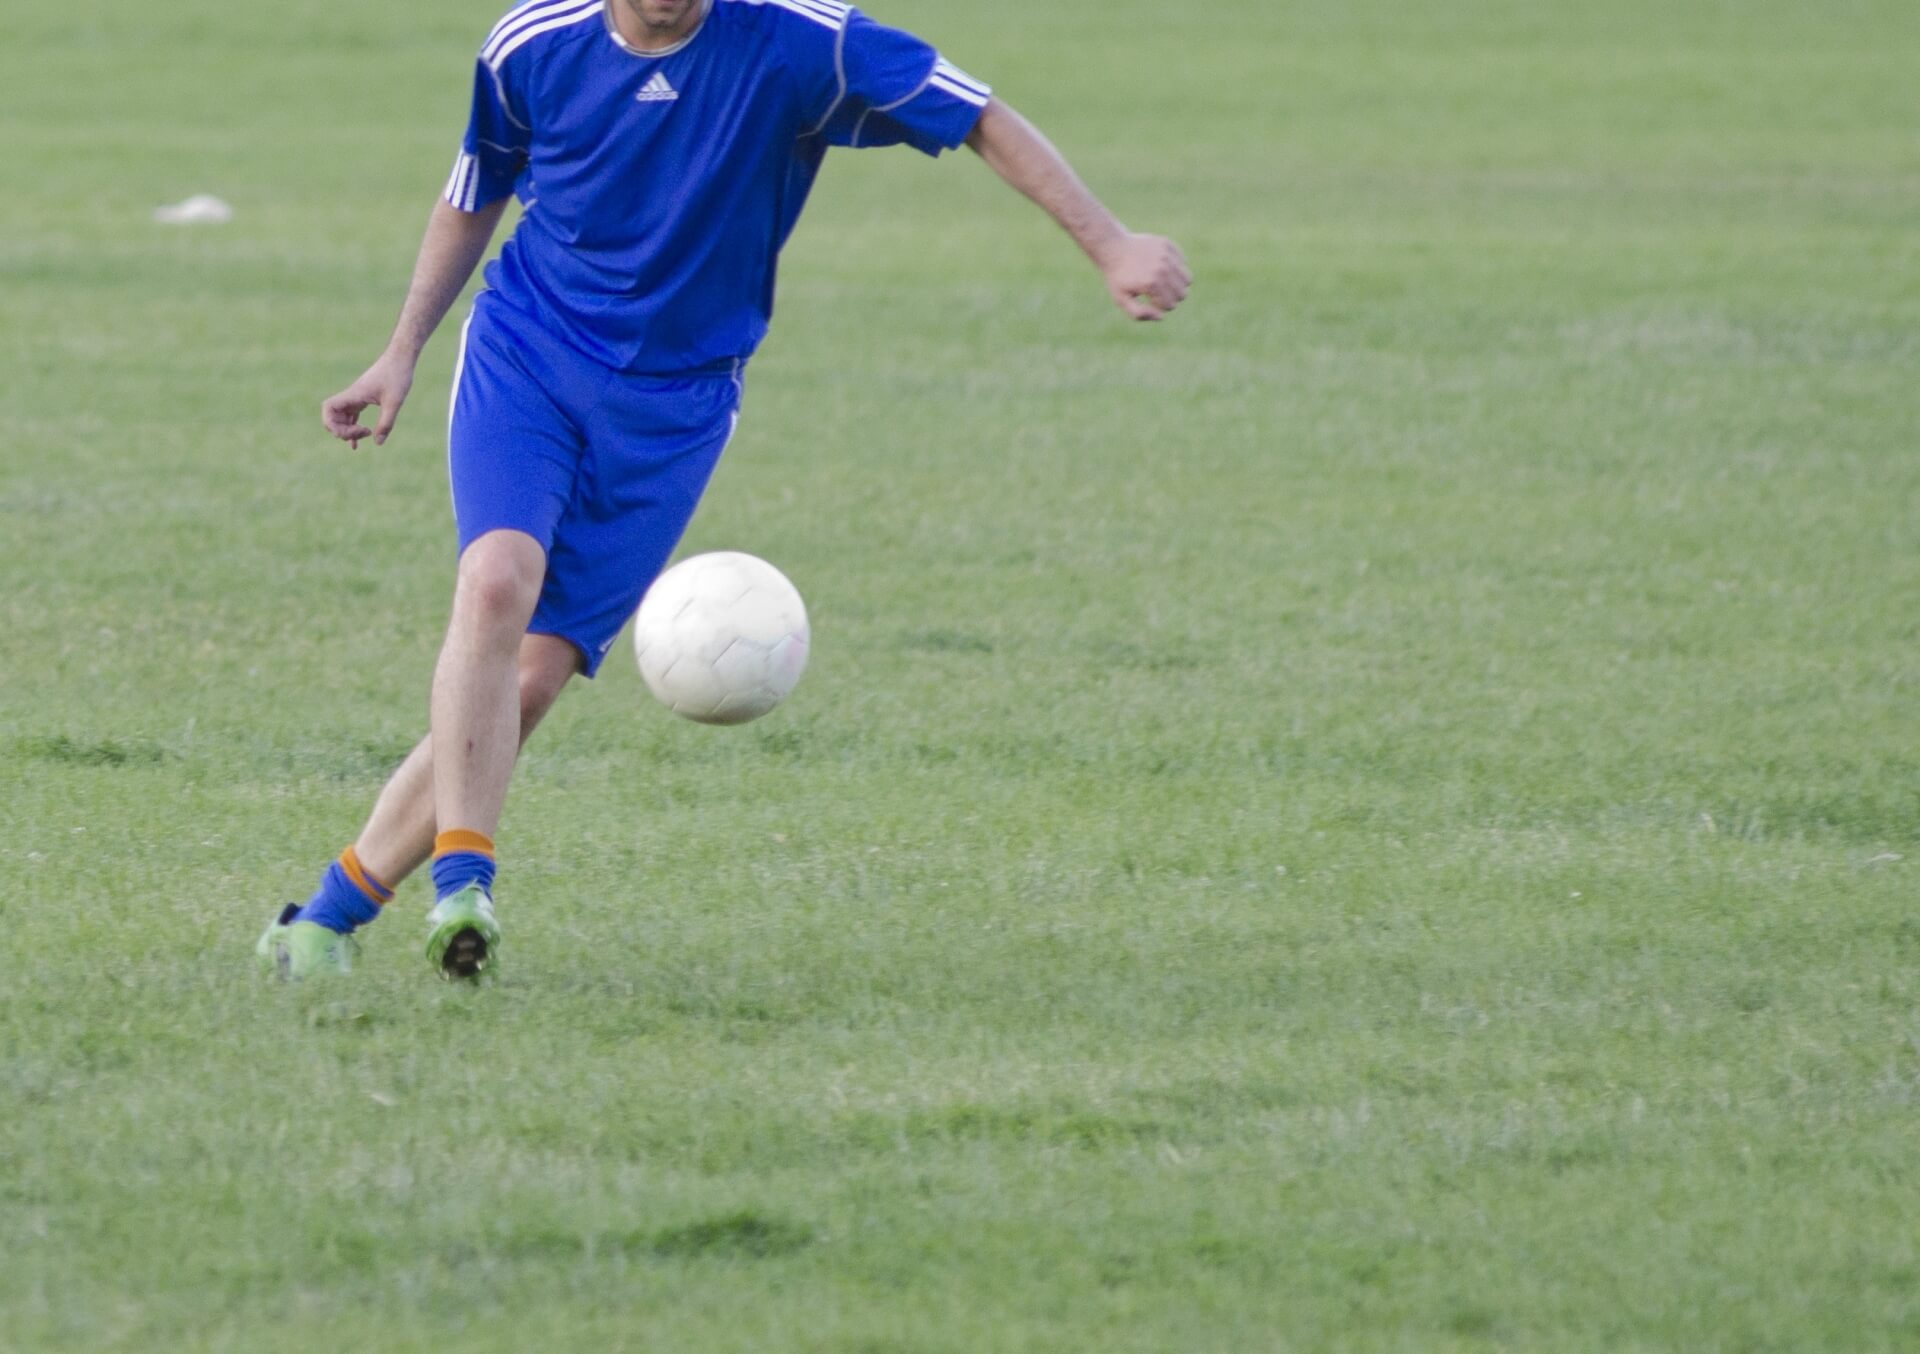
x=657, y=90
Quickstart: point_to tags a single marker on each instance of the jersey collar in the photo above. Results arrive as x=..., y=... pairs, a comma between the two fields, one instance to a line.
x=613, y=32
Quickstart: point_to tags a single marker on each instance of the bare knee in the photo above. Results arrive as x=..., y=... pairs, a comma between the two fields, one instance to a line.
x=500, y=578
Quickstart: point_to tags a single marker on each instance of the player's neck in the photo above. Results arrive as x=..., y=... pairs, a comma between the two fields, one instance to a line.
x=656, y=25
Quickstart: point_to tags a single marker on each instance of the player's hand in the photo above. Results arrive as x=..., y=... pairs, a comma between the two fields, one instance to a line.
x=1147, y=275
x=384, y=385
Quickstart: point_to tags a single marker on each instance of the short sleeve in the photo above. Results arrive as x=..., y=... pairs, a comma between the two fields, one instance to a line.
x=494, y=150
x=897, y=90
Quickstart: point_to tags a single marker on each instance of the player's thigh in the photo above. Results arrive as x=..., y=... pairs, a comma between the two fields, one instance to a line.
x=515, y=447
x=615, y=540
x=547, y=664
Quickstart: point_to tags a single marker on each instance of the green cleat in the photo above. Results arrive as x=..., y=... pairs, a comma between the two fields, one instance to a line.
x=464, y=934
x=297, y=950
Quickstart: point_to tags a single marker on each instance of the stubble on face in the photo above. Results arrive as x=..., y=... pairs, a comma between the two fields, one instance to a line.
x=666, y=18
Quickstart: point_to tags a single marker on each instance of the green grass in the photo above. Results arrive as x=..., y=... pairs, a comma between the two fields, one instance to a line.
x=1380, y=815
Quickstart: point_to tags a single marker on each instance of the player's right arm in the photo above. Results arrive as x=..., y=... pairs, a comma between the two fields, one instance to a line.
x=455, y=242
x=492, y=155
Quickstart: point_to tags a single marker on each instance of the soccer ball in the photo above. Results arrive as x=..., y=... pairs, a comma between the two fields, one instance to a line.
x=721, y=638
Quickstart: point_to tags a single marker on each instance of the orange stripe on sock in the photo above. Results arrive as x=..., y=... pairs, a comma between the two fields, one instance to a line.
x=461, y=840
x=363, y=878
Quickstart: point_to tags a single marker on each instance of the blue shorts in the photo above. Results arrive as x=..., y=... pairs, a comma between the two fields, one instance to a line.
x=602, y=468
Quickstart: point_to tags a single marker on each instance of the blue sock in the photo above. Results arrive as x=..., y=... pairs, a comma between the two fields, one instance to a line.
x=461, y=869
x=462, y=860
x=343, y=902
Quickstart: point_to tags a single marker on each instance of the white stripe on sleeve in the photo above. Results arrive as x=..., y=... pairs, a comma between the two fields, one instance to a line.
x=829, y=9
x=960, y=77
x=463, y=169
x=824, y=18
x=511, y=15
x=527, y=35
x=528, y=18
x=960, y=92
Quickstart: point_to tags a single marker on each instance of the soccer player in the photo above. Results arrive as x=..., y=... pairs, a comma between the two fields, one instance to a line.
x=662, y=150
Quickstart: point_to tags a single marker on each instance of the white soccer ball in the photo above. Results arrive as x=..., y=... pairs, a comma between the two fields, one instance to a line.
x=721, y=638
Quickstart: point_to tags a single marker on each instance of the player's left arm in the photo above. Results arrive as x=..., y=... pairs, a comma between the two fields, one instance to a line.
x=1146, y=275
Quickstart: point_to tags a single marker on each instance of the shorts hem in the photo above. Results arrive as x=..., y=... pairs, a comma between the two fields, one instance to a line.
x=590, y=660
x=464, y=538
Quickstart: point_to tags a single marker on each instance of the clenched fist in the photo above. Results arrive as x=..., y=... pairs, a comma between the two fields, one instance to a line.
x=1147, y=275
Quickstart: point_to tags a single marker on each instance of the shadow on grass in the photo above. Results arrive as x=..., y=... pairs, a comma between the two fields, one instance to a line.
x=743, y=1235
x=107, y=752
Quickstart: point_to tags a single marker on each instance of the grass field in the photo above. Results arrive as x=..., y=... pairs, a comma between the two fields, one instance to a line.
x=1380, y=815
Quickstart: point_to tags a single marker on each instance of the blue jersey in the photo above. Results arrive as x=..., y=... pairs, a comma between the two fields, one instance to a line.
x=659, y=187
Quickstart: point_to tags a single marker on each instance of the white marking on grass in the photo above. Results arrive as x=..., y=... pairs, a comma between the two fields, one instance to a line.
x=202, y=209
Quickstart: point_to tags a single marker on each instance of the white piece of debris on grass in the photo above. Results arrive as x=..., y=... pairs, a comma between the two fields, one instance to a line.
x=202, y=209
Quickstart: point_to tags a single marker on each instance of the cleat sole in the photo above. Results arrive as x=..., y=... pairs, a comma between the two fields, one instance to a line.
x=466, y=957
